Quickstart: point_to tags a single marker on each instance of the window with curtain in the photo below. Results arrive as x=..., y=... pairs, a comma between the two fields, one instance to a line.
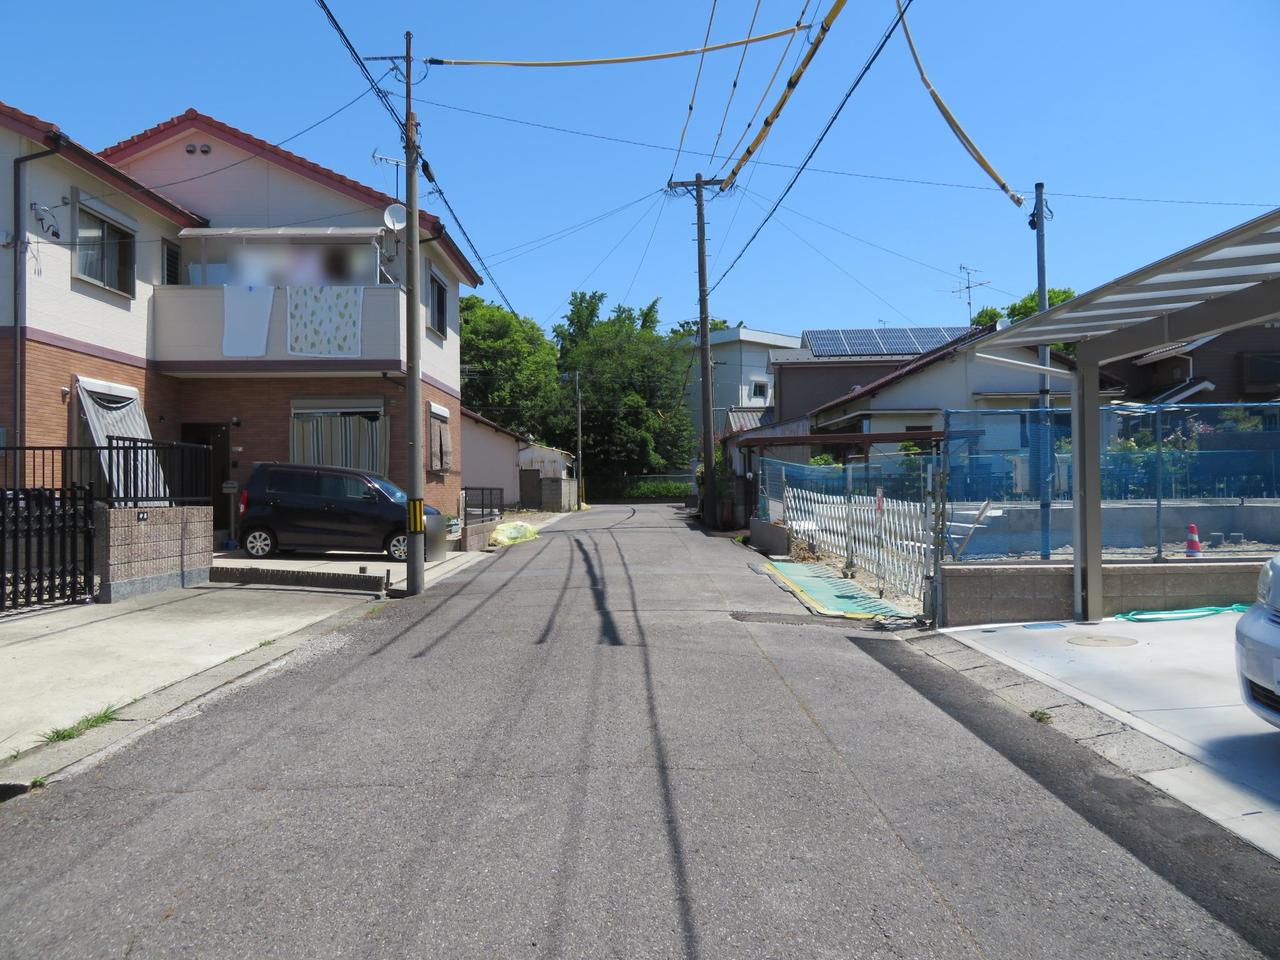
x=340, y=438
x=104, y=252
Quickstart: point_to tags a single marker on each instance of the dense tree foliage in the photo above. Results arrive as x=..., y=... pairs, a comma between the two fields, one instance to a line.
x=1028, y=306
x=633, y=378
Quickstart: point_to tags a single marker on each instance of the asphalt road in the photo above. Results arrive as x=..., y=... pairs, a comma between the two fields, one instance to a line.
x=576, y=749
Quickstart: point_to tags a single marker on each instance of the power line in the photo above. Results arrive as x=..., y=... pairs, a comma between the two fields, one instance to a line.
x=733, y=87
x=826, y=171
x=561, y=234
x=857, y=81
x=385, y=100
x=583, y=282
x=644, y=253
x=697, y=77
x=820, y=252
x=641, y=58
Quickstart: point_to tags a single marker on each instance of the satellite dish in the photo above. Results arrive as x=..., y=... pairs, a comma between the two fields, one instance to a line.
x=396, y=216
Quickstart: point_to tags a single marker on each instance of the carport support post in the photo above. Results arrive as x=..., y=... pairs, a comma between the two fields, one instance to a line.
x=1086, y=470
x=848, y=518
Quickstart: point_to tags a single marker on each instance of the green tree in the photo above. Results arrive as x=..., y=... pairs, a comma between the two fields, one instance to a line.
x=634, y=418
x=822, y=460
x=509, y=369
x=1029, y=305
x=988, y=317
x=689, y=328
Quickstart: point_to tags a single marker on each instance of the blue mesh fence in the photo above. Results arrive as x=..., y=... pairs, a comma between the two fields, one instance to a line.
x=1163, y=466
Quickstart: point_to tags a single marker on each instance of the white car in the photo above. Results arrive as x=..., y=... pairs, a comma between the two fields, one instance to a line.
x=1258, y=647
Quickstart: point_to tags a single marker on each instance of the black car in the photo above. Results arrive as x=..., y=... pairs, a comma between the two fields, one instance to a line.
x=290, y=506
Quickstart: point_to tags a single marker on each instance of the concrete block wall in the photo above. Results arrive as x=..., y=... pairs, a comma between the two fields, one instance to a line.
x=475, y=536
x=139, y=550
x=1013, y=593
x=559, y=495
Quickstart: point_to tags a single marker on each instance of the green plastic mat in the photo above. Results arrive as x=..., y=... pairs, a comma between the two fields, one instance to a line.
x=829, y=593
x=1194, y=613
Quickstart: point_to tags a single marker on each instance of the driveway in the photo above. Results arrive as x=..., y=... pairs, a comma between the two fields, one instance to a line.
x=618, y=740
x=1174, y=681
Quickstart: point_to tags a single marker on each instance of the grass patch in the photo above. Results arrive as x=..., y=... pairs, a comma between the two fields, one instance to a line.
x=88, y=722
x=39, y=783
x=267, y=643
x=1041, y=716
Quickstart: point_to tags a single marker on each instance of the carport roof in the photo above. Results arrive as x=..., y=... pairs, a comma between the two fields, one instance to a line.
x=1220, y=268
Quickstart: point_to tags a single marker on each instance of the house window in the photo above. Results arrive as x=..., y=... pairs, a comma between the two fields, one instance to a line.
x=1261, y=372
x=104, y=252
x=170, y=263
x=338, y=433
x=759, y=390
x=918, y=428
x=439, y=307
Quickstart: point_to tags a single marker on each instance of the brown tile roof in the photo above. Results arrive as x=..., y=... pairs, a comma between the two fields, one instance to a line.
x=193, y=119
x=43, y=131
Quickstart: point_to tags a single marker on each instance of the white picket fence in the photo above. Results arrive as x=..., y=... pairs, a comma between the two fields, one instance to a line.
x=894, y=545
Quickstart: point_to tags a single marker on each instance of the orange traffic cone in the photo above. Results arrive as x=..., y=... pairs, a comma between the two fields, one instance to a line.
x=1193, y=540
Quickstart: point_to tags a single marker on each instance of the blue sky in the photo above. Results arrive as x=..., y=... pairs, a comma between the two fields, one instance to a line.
x=1168, y=99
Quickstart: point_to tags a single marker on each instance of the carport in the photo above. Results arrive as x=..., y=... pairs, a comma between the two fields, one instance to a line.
x=1228, y=281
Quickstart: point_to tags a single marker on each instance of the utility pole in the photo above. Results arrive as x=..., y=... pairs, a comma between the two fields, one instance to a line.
x=1045, y=450
x=710, y=516
x=415, y=434
x=577, y=389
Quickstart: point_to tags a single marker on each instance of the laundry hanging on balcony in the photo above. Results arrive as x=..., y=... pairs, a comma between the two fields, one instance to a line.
x=246, y=318
x=324, y=321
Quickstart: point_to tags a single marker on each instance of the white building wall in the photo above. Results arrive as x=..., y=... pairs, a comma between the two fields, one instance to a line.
x=490, y=458
x=11, y=146
x=60, y=303
x=739, y=363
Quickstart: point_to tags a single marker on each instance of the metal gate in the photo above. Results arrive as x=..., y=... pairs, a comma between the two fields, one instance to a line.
x=46, y=546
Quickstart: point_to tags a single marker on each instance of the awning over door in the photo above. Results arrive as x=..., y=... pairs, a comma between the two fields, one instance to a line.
x=118, y=426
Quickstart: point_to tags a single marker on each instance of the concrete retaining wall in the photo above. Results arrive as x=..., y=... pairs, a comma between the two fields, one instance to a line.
x=139, y=550
x=770, y=538
x=559, y=495
x=1013, y=593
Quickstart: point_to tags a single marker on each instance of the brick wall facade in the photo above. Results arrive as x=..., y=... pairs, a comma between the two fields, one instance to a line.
x=262, y=404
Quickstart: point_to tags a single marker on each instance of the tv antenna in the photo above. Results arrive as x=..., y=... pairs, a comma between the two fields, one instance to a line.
x=396, y=162
x=966, y=289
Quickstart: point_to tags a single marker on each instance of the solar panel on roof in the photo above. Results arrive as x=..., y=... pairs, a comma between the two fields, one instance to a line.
x=862, y=342
x=897, y=340
x=825, y=343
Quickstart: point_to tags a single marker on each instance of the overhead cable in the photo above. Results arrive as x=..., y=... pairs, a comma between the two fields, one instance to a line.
x=605, y=61
x=765, y=94
x=539, y=242
x=792, y=82
x=826, y=171
x=857, y=82
x=697, y=77
x=400, y=122
x=952, y=122
x=733, y=87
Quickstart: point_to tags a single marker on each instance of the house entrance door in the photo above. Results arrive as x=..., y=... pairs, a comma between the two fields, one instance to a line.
x=218, y=437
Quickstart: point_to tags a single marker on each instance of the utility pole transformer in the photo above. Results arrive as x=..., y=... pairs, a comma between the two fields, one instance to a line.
x=710, y=516
x=415, y=526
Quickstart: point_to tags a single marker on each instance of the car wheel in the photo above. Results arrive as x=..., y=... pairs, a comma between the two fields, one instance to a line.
x=398, y=546
x=259, y=543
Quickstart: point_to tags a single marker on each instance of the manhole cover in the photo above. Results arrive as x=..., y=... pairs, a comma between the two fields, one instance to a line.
x=1102, y=640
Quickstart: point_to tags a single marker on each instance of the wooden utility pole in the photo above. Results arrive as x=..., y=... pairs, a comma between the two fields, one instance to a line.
x=710, y=516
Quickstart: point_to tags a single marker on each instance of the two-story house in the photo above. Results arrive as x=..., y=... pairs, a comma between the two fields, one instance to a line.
x=227, y=292
x=740, y=378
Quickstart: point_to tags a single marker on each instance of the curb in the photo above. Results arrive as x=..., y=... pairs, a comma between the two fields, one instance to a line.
x=53, y=761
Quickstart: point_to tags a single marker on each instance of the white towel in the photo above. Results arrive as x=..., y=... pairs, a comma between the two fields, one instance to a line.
x=246, y=318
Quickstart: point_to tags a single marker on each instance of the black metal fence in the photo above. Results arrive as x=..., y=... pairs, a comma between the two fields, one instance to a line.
x=46, y=546
x=126, y=472
x=481, y=504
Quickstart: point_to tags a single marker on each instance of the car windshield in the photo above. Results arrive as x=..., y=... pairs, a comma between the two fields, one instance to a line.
x=390, y=489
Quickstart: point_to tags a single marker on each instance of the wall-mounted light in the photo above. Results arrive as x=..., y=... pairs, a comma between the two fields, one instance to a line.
x=66, y=394
x=235, y=421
